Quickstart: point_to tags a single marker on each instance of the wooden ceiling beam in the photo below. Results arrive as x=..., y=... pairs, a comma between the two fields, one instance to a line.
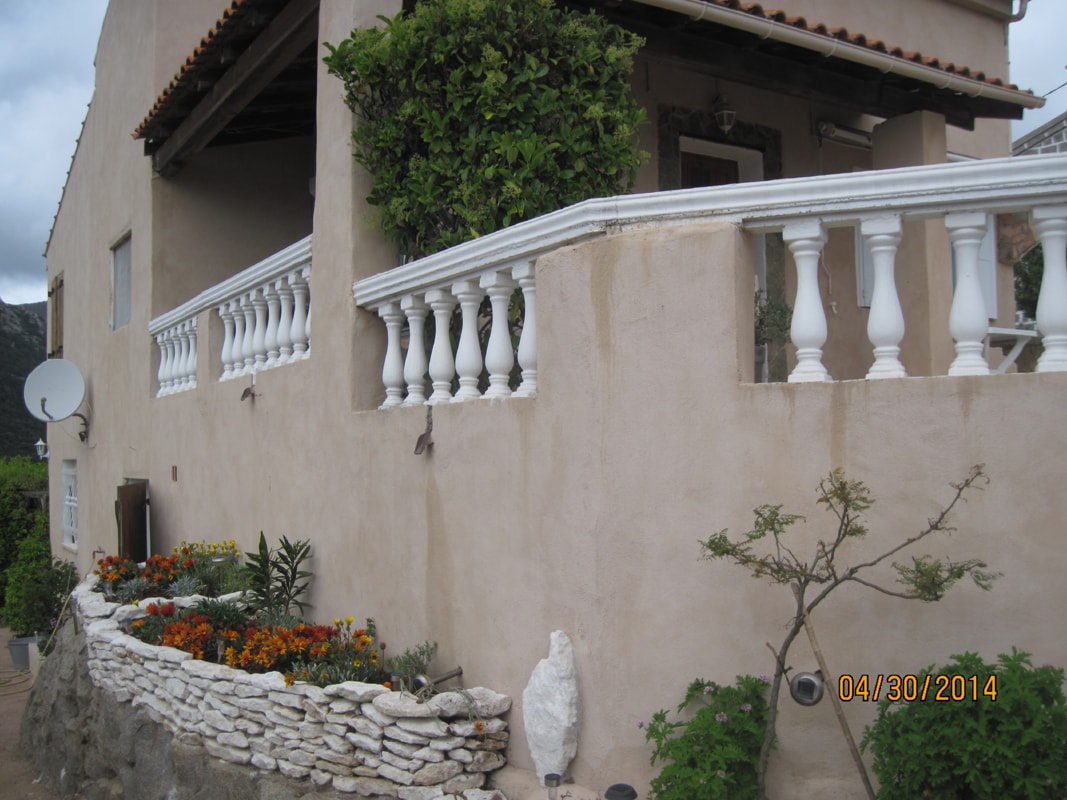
x=292, y=30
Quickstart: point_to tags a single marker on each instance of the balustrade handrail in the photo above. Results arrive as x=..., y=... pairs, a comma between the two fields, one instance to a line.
x=991, y=185
x=273, y=266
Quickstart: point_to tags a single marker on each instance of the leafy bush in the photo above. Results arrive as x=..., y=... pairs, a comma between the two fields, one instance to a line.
x=715, y=754
x=18, y=519
x=1029, y=271
x=37, y=587
x=414, y=661
x=474, y=114
x=1007, y=739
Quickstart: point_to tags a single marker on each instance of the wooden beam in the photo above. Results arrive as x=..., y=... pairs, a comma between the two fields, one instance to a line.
x=295, y=27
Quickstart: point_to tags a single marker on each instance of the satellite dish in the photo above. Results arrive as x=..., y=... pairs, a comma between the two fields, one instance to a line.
x=54, y=391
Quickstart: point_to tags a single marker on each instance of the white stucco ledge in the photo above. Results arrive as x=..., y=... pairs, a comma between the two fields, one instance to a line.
x=355, y=738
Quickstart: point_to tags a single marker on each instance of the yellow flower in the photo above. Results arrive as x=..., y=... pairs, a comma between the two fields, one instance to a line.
x=337, y=621
x=349, y=620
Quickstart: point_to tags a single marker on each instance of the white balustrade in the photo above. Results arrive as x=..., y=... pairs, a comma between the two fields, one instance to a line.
x=406, y=366
x=266, y=321
x=878, y=202
x=177, y=358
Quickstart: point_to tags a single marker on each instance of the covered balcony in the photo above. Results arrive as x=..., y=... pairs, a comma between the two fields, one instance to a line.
x=265, y=310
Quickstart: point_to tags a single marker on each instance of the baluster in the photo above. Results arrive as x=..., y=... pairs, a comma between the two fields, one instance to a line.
x=415, y=363
x=1050, y=224
x=161, y=374
x=967, y=320
x=227, y=341
x=168, y=375
x=248, y=348
x=285, y=321
x=305, y=273
x=808, y=330
x=298, y=331
x=524, y=274
x=393, y=367
x=469, y=350
x=181, y=365
x=259, y=336
x=885, y=323
x=270, y=338
x=191, y=364
x=238, y=337
x=442, y=364
x=499, y=356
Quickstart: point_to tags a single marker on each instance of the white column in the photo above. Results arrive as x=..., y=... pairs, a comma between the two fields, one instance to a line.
x=298, y=331
x=237, y=354
x=259, y=336
x=161, y=375
x=181, y=371
x=499, y=355
x=469, y=351
x=1050, y=224
x=415, y=363
x=885, y=323
x=191, y=363
x=248, y=347
x=227, y=342
x=442, y=364
x=285, y=320
x=808, y=330
x=967, y=320
x=524, y=274
x=393, y=369
x=270, y=340
x=305, y=273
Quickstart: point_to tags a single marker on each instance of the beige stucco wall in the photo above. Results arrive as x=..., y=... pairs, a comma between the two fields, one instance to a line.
x=577, y=510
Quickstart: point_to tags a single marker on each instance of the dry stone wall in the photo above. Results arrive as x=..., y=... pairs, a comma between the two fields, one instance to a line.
x=354, y=737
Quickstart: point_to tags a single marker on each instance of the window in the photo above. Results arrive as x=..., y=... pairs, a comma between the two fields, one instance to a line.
x=70, y=503
x=121, y=267
x=55, y=317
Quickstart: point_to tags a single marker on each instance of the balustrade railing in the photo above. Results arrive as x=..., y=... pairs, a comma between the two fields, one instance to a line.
x=803, y=209
x=266, y=318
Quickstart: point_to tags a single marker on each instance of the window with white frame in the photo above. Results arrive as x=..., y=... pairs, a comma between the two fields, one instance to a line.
x=121, y=269
x=70, y=503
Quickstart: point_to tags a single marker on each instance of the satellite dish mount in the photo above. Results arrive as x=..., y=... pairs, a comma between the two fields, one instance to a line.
x=54, y=391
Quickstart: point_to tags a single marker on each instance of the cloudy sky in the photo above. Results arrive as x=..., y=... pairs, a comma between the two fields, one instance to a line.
x=46, y=82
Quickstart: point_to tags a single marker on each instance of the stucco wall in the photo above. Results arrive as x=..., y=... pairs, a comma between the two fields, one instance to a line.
x=582, y=507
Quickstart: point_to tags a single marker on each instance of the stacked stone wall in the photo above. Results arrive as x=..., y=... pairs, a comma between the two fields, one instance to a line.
x=354, y=737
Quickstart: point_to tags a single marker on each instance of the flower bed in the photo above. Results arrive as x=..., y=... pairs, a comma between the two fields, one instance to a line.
x=356, y=737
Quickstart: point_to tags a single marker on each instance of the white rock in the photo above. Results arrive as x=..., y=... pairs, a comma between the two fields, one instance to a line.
x=398, y=704
x=551, y=708
x=355, y=691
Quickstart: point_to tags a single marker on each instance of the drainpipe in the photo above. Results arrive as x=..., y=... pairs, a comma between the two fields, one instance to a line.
x=1018, y=15
x=768, y=29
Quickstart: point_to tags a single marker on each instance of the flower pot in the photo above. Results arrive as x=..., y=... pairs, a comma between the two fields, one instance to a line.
x=19, y=648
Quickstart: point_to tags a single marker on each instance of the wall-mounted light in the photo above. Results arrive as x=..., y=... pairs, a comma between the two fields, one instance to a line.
x=42, y=449
x=724, y=114
x=807, y=687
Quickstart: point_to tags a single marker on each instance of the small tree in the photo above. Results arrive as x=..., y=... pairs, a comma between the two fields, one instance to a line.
x=474, y=114
x=812, y=581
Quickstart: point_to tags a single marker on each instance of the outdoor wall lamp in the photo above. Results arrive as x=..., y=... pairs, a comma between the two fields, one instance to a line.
x=724, y=114
x=42, y=449
x=807, y=687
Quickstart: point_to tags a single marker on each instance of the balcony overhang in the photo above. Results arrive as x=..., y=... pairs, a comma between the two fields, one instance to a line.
x=771, y=50
x=252, y=78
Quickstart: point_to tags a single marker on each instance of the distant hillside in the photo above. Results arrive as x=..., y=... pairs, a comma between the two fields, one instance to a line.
x=22, y=347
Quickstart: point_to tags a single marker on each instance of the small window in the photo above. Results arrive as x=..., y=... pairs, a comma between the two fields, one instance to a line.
x=121, y=267
x=55, y=317
x=70, y=503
